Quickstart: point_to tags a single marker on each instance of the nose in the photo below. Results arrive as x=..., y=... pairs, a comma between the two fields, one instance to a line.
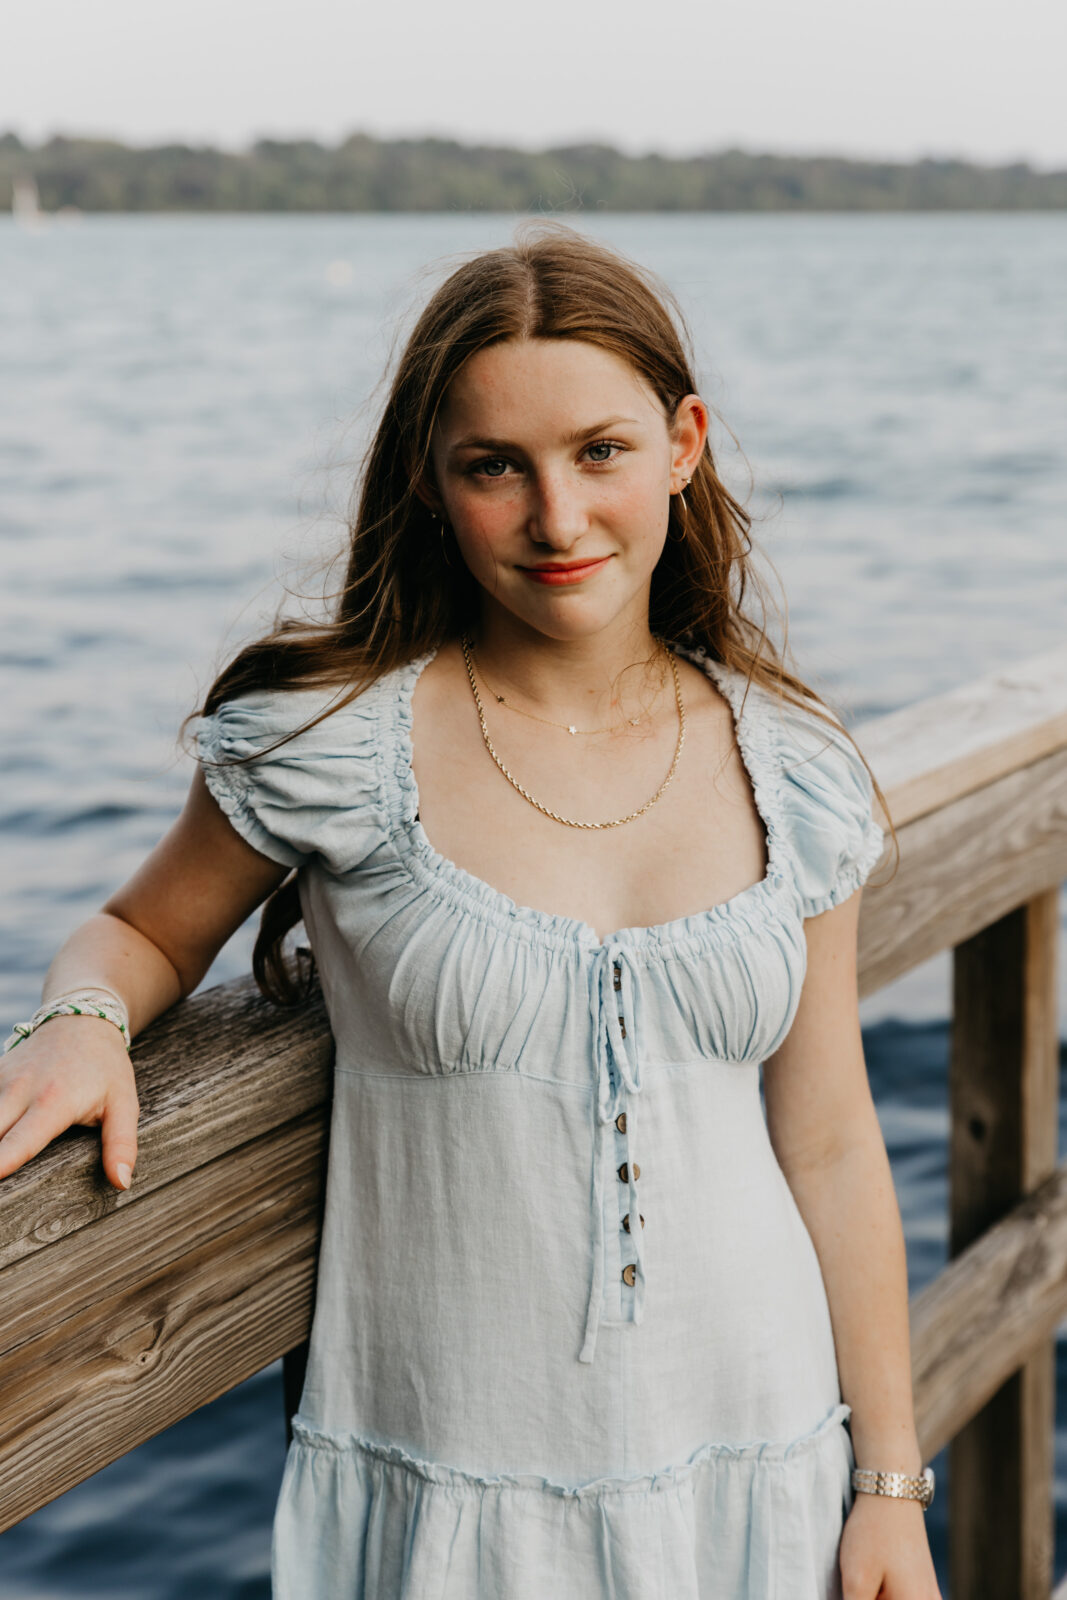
x=559, y=515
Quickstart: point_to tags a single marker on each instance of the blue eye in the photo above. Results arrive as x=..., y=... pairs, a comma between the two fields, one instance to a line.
x=489, y=466
x=606, y=445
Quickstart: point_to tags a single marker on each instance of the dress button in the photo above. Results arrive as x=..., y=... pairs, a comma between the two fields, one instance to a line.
x=620, y=1121
x=626, y=1222
x=624, y=1172
x=629, y=1273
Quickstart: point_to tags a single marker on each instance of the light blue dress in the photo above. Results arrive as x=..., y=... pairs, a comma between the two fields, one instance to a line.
x=516, y=1390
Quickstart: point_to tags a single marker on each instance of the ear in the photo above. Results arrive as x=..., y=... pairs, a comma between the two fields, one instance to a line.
x=689, y=433
x=427, y=492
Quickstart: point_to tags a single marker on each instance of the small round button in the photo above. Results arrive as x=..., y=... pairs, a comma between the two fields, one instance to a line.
x=626, y=1222
x=620, y=1121
x=629, y=1273
x=624, y=1172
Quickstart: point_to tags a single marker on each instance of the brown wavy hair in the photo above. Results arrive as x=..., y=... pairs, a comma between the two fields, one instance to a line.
x=402, y=596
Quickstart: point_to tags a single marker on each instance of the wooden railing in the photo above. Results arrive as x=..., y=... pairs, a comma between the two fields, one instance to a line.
x=124, y=1312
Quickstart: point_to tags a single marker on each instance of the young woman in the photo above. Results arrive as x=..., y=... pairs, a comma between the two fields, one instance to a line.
x=577, y=857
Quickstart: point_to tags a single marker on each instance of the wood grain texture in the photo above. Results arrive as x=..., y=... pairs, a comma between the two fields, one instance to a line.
x=935, y=752
x=212, y=1072
x=118, y=1330
x=1004, y=1092
x=963, y=867
x=990, y=1309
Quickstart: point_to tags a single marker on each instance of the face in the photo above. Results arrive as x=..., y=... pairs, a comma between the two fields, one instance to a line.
x=554, y=464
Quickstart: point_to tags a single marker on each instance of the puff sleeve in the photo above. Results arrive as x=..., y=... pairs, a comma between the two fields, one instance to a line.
x=315, y=796
x=827, y=802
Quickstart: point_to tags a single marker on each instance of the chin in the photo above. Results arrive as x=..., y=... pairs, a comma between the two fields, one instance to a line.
x=567, y=621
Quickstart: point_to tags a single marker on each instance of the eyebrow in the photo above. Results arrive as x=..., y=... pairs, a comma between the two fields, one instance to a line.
x=572, y=438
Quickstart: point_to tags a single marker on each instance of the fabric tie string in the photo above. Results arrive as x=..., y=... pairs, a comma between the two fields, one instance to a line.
x=618, y=1084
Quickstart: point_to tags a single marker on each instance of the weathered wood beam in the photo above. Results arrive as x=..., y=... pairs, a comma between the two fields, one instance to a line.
x=976, y=783
x=123, y=1312
x=1004, y=1093
x=987, y=1312
x=212, y=1073
x=963, y=867
x=122, y=1328
x=938, y=750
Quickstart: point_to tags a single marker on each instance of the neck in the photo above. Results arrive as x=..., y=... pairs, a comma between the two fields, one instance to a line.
x=583, y=678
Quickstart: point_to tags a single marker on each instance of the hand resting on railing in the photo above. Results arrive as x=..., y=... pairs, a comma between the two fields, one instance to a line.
x=71, y=1070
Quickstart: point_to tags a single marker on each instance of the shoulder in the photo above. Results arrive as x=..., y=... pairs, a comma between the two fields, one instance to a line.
x=296, y=771
x=302, y=722
x=827, y=803
x=811, y=783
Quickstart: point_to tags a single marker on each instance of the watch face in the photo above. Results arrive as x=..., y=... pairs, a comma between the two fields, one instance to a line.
x=928, y=1475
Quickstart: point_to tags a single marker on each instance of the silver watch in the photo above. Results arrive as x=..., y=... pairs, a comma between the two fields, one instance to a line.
x=899, y=1484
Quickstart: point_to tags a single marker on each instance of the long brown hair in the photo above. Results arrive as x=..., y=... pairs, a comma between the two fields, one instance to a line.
x=402, y=596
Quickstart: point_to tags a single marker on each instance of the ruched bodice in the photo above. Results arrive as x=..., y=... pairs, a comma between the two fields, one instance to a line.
x=570, y=1335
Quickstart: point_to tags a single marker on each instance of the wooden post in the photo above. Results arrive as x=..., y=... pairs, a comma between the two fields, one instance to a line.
x=1003, y=1083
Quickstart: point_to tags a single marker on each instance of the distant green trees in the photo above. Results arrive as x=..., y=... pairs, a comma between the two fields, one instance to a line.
x=366, y=174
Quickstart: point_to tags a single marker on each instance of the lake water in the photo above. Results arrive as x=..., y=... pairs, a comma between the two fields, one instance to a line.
x=182, y=410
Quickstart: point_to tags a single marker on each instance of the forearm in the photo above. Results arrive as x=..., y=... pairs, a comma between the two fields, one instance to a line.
x=850, y=1208
x=105, y=950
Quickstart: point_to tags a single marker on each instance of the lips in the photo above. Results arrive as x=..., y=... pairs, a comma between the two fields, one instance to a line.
x=565, y=566
x=557, y=572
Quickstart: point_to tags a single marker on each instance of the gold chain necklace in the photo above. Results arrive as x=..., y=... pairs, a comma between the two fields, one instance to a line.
x=568, y=821
x=569, y=727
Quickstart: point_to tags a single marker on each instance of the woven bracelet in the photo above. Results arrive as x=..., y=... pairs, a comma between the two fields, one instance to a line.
x=71, y=1006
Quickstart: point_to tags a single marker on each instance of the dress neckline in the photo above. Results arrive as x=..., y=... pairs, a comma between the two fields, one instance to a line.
x=754, y=735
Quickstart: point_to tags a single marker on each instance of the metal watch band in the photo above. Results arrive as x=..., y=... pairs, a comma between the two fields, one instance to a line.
x=898, y=1484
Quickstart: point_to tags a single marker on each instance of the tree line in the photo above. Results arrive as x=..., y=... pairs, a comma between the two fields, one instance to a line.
x=365, y=174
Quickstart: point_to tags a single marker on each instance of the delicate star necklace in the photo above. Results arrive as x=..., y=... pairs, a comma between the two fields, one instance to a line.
x=615, y=822
x=569, y=727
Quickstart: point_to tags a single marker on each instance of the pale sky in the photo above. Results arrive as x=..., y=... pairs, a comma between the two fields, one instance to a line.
x=971, y=78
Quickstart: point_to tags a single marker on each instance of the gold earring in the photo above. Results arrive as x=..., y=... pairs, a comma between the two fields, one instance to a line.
x=442, y=530
x=675, y=537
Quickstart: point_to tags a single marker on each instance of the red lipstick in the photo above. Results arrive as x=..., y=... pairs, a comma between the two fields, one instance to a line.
x=563, y=572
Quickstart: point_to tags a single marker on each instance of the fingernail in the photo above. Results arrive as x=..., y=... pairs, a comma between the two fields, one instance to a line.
x=124, y=1174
